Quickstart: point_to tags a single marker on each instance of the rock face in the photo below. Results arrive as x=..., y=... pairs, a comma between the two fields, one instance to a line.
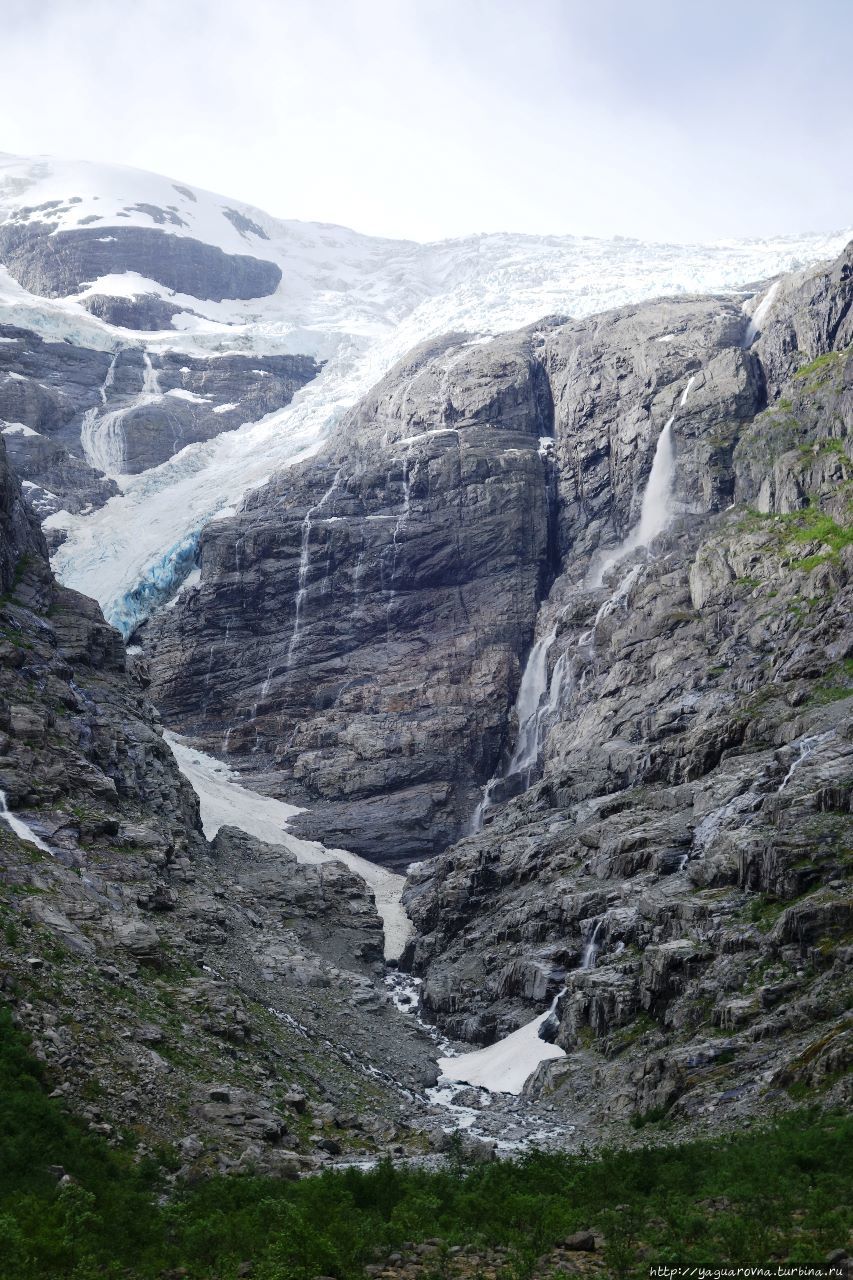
x=678, y=870
x=141, y=311
x=217, y=993
x=74, y=413
x=57, y=263
x=379, y=600
x=665, y=828
x=383, y=599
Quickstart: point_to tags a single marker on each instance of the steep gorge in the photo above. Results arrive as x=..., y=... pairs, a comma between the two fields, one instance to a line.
x=561, y=616
x=685, y=787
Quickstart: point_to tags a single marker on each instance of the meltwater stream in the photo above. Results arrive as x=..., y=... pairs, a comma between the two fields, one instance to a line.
x=102, y=434
x=539, y=698
x=21, y=829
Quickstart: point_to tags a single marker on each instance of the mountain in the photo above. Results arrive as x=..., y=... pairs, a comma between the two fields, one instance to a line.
x=355, y=303
x=517, y=567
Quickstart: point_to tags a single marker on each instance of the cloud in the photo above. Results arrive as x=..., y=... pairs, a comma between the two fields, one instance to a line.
x=427, y=118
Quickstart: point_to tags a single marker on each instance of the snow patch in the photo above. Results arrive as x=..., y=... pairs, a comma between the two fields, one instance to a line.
x=225, y=802
x=179, y=394
x=19, y=429
x=506, y=1066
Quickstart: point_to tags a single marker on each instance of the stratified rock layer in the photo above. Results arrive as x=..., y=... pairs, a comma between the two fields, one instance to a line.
x=382, y=598
x=215, y=992
x=673, y=853
x=87, y=411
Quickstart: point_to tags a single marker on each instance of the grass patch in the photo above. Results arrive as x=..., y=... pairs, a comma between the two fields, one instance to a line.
x=779, y=1193
x=835, y=686
x=819, y=367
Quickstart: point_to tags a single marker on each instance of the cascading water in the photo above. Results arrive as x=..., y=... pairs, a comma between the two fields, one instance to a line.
x=399, y=524
x=591, y=947
x=21, y=829
x=102, y=435
x=657, y=510
x=755, y=321
x=534, y=711
x=528, y=713
x=304, y=565
x=534, y=685
x=807, y=747
x=550, y=1024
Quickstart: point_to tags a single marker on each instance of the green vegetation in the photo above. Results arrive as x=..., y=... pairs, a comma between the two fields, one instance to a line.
x=820, y=367
x=765, y=911
x=835, y=686
x=811, y=525
x=778, y=1194
x=808, y=525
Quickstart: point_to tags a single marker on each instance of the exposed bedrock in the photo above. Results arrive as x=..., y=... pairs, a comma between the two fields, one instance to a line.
x=57, y=263
x=76, y=417
x=217, y=992
x=358, y=634
x=145, y=311
x=367, y=596
x=679, y=868
x=811, y=314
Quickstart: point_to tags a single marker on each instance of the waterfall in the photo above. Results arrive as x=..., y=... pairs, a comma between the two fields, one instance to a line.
x=20, y=828
x=265, y=688
x=656, y=511
x=534, y=713
x=534, y=685
x=399, y=524
x=150, y=378
x=531, y=717
x=102, y=435
x=753, y=327
x=304, y=565
x=591, y=948
x=109, y=379
x=807, y=747
x=550, y=1024
x=402, y=518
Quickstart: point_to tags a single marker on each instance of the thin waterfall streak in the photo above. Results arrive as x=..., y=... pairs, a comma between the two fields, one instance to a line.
x=590, y=951
x=304, y=566
x=102, y=435
x=21, y=829
x=807, y=746
x=657, y=510
x=539, y=699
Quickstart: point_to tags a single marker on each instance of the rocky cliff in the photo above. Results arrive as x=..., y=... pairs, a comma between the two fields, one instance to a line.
x=75, y=416
x=678, y=876
x=383, y=599
x=586, y=588
x=48, y=260
x=216, y=1002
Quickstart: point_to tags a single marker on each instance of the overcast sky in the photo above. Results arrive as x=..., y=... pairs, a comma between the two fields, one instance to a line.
x=663, y=119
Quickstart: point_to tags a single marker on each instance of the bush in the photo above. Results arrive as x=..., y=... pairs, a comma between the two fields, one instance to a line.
x=777, y=1192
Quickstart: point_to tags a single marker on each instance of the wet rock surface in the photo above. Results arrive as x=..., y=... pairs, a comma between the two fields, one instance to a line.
x=686, y=826
x=72, y=413
x=670, y=845
x=465, y=615
x=379, y=599
x=405, y=567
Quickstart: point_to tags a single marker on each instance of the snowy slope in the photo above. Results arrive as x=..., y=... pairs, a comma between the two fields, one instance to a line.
x=358, y=302
x=224, y=802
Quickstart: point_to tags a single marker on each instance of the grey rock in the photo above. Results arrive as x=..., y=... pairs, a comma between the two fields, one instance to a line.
x=55, y=265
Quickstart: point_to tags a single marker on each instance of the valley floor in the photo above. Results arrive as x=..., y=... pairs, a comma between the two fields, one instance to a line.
x=71, y=1207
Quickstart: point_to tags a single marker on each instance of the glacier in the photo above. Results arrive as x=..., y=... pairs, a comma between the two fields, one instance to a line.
x=356, y=302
